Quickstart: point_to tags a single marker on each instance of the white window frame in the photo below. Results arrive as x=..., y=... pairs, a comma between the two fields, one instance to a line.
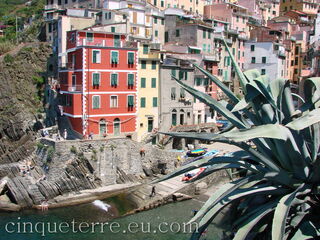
x=117, y=101
x=98, y=59
x=99, y=101
x=99, y=78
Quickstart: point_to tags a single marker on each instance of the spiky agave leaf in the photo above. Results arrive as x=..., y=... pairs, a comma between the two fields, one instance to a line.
x=285, y=166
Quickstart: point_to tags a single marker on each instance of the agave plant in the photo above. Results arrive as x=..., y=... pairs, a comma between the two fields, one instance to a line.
x=283, y=162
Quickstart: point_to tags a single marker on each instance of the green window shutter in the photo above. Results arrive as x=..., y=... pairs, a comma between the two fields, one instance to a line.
x=185, y=75
x=153, y=82
x=114, y=57
x=96, y=79
x=181, y=73
x=177, y=33
x=130, y=79
x=155, y=20
x=173, y=72
x=143, y=82
x=113, y=29
x=89, y=37
x=228, y=61
x=155, y=102
x=156, y=33
x=182, y=93
x=162, y=21
x=206, y=81
x=204, y=33
x=198, y=81
x=204, y=47
x=145, y=49
x=209, y=48
x=233, y=51
x=116, y=41
x=94, y=57
x=95, y=102
x=143, y=64
x=225, y=77
x=154, y=65
x=209, y=35
x=162, y=5
x=114, y=79
x=264, y=59
x=142, y=102
x=130, y=101
x=130, y=58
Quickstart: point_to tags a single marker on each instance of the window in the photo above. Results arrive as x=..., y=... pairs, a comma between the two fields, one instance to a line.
x=130, y=101
x=145, y=49
x=233, y=51
x=239, y=54
x=166, y=37
x=114, y=79
x=204, y=33
x=156, y=33
x=252, y=48
x=264, y=59
x=177, y=33
x=113, y=29
x=153, y=82
x=143, y=64
x=209, y=35
x=173, y=72
x=114, y=57
x=263, y=72
x=155, y=20
x=243, y=20
x=181, y=74
x=130, y=57
x=162, y=21
x=95, y=79
x=155, y=102
x=173, y=93
x=143, y=83
x=155, y=2
x=96, y=56
x=297, y=50
x=109, y=15
x=253, y=60
x=89, y=37
x=296, y=61
x=130, y=79
x=113, y=101
x=182, y=93
x=95, y=102
x=208, y=48
x=204, y=47
x=154, y=65
x=162, y=3
x=116, y=41
x=143, y=102
x=198, y=81
x=295, y=71
x=237, y=18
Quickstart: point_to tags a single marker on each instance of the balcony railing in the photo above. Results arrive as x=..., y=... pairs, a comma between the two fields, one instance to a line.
x=75, y=88
x=106, y=43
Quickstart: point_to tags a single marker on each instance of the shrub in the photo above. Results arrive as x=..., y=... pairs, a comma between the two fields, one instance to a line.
x=8, y=59
x=73, y=149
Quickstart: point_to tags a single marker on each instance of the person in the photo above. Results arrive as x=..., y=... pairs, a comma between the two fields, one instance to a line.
x=91, y=135
x=142, y=152
x=65, y=134
x=153, y=191
x=104, y=134
x=194, y=212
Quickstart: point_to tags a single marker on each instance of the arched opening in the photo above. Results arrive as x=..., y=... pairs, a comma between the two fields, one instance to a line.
x=102, y=127
x=174, y=117
x=116, y=127
x=181, y=117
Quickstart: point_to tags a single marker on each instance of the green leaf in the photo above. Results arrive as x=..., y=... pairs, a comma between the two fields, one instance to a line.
x=250, y=220
x=312, y=90
x=214, y=104
x=217, y=81
x=240, y=105
x=274, y=131
x=242, y=78
x=305, y=121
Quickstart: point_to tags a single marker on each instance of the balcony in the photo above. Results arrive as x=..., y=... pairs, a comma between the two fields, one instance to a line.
x=73, y=88
x=106, y=43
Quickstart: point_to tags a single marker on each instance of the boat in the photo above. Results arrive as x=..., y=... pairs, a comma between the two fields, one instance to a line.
x=196, y=152
x=193, y=174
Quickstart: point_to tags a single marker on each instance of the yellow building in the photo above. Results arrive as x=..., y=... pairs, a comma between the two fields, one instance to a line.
x=307, y=6
x=195, y=6
x=148, y=91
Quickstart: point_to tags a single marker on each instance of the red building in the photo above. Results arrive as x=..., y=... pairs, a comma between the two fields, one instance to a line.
x=99, y=85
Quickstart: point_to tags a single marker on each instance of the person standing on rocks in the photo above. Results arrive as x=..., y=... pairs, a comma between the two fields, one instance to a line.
x=142, y=152
x=153, y=191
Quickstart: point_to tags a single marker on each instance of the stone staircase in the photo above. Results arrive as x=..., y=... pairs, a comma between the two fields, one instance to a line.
x=64, y=123
x=33, y=190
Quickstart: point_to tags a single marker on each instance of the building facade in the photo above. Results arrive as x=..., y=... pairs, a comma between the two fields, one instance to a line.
x=99, y=86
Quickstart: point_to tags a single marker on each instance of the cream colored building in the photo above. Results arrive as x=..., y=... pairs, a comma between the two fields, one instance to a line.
x=148, y=91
